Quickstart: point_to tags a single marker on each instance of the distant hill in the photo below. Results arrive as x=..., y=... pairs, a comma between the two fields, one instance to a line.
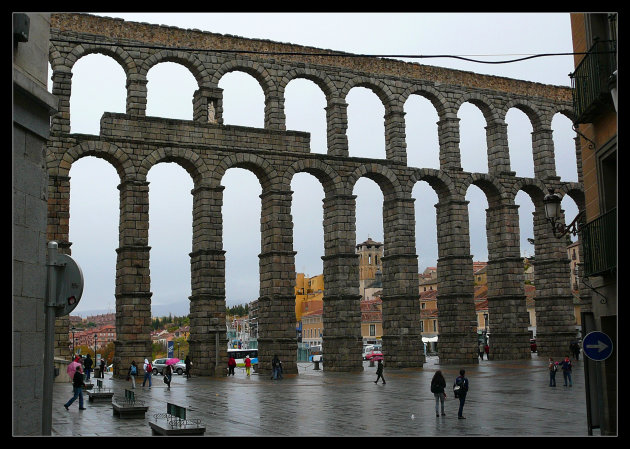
x=181, y=308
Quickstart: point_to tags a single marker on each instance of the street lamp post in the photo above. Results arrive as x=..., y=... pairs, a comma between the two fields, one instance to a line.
x=552, y=203
x=72, y=330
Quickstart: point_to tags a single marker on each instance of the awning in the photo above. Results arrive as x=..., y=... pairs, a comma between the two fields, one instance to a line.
x=429, y=339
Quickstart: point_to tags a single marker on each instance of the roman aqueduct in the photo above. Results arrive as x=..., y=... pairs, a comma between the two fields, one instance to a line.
x=134, y=142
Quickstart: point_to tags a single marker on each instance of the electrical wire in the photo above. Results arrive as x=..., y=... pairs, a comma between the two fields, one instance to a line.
x=333, y=54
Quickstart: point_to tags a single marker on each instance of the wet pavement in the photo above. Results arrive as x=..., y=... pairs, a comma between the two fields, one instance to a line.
x=506, y=398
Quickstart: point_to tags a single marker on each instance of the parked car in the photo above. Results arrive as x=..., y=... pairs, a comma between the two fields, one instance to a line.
x=160, y=364
x=376, y=355
x=532, y=345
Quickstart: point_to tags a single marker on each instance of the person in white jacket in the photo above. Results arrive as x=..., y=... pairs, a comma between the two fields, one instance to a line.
x=147, y=372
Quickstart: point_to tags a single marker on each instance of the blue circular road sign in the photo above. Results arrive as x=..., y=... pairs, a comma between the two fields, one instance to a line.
x=597, y=346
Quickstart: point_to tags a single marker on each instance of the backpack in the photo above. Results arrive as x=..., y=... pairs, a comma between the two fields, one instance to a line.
x=149, y=368
x=459, y=387
x=133, y=369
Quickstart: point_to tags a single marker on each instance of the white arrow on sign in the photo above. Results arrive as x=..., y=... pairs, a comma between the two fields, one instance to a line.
x=600, y=346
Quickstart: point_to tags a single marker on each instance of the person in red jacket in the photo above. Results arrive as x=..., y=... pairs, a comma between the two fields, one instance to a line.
x=231, y=365
x=248, y=364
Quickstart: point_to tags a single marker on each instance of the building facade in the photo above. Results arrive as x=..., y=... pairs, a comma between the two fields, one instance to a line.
x=594, y=84
x=32, y=107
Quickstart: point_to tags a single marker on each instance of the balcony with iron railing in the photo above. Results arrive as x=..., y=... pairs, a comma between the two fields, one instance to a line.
x=599, y=242
x=591, y=81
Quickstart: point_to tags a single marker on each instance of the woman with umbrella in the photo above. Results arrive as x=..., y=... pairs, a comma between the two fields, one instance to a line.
x=168, y=371
x=72, y=367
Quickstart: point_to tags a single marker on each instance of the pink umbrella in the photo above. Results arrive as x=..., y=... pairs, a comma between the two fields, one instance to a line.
x=72, y=368
x=172, y=361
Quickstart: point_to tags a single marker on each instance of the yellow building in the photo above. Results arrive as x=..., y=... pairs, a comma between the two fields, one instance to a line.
x=309, y=294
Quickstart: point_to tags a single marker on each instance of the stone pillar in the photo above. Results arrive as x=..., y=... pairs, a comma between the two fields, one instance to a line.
x=137, y=95
x=208, y=338
x=133, y=283
x=544, y=159
x=554, y=301
x=342, y=341
x=448, y=137
x=61, y=88
x=507, y=311
x=208, y=105
x=276, y=318
x=58, y=229
x=498, y=150
x=457, y=343
x=337, y=127
x=402, y=340
x=395, y=144
x=274, y=116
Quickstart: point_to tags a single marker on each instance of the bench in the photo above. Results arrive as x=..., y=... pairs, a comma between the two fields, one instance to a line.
x=100, y=393
x=130, y=407
x=174, y=422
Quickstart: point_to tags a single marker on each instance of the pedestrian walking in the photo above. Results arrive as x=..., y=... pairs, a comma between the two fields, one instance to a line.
x=132, y=373
x=168, y=376
x=575, y=350
x=188, y=364
x=566, y=371
x=248, y=364
x=481, y=350
x=87, y=363
x=438, y=385
x=148, y=372
x=460, y=387
x=379, y=372
x=276, y=366
x=103, y=368
x=553, y=368
x=77, y=389
x=231, y=365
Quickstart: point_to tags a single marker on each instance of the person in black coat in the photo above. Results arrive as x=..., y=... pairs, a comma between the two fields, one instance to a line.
x=87, y=363
x=438, y=384
x=379, y=372
x=188, y=363
x=77, y=389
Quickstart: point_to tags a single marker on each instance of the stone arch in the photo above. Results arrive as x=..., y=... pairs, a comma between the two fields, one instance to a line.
x=187, y=159
x=188, y=60
x=486, y=107
x=324, y=173
x=382, y=90
x=575, y=191
x=436, y=97
x=438, y=180
x=528, y=108
x=120, y=55
x=256, y=70
x=382, y=175
x=104, y=150
x=535, y=188
x=321, y=79
x=262, y=168
x=488, y=184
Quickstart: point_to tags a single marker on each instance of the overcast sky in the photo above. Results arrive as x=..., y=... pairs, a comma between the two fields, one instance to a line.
x=98, y=85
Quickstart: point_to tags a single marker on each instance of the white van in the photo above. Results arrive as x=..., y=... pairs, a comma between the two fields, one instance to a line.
x=369, y=348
